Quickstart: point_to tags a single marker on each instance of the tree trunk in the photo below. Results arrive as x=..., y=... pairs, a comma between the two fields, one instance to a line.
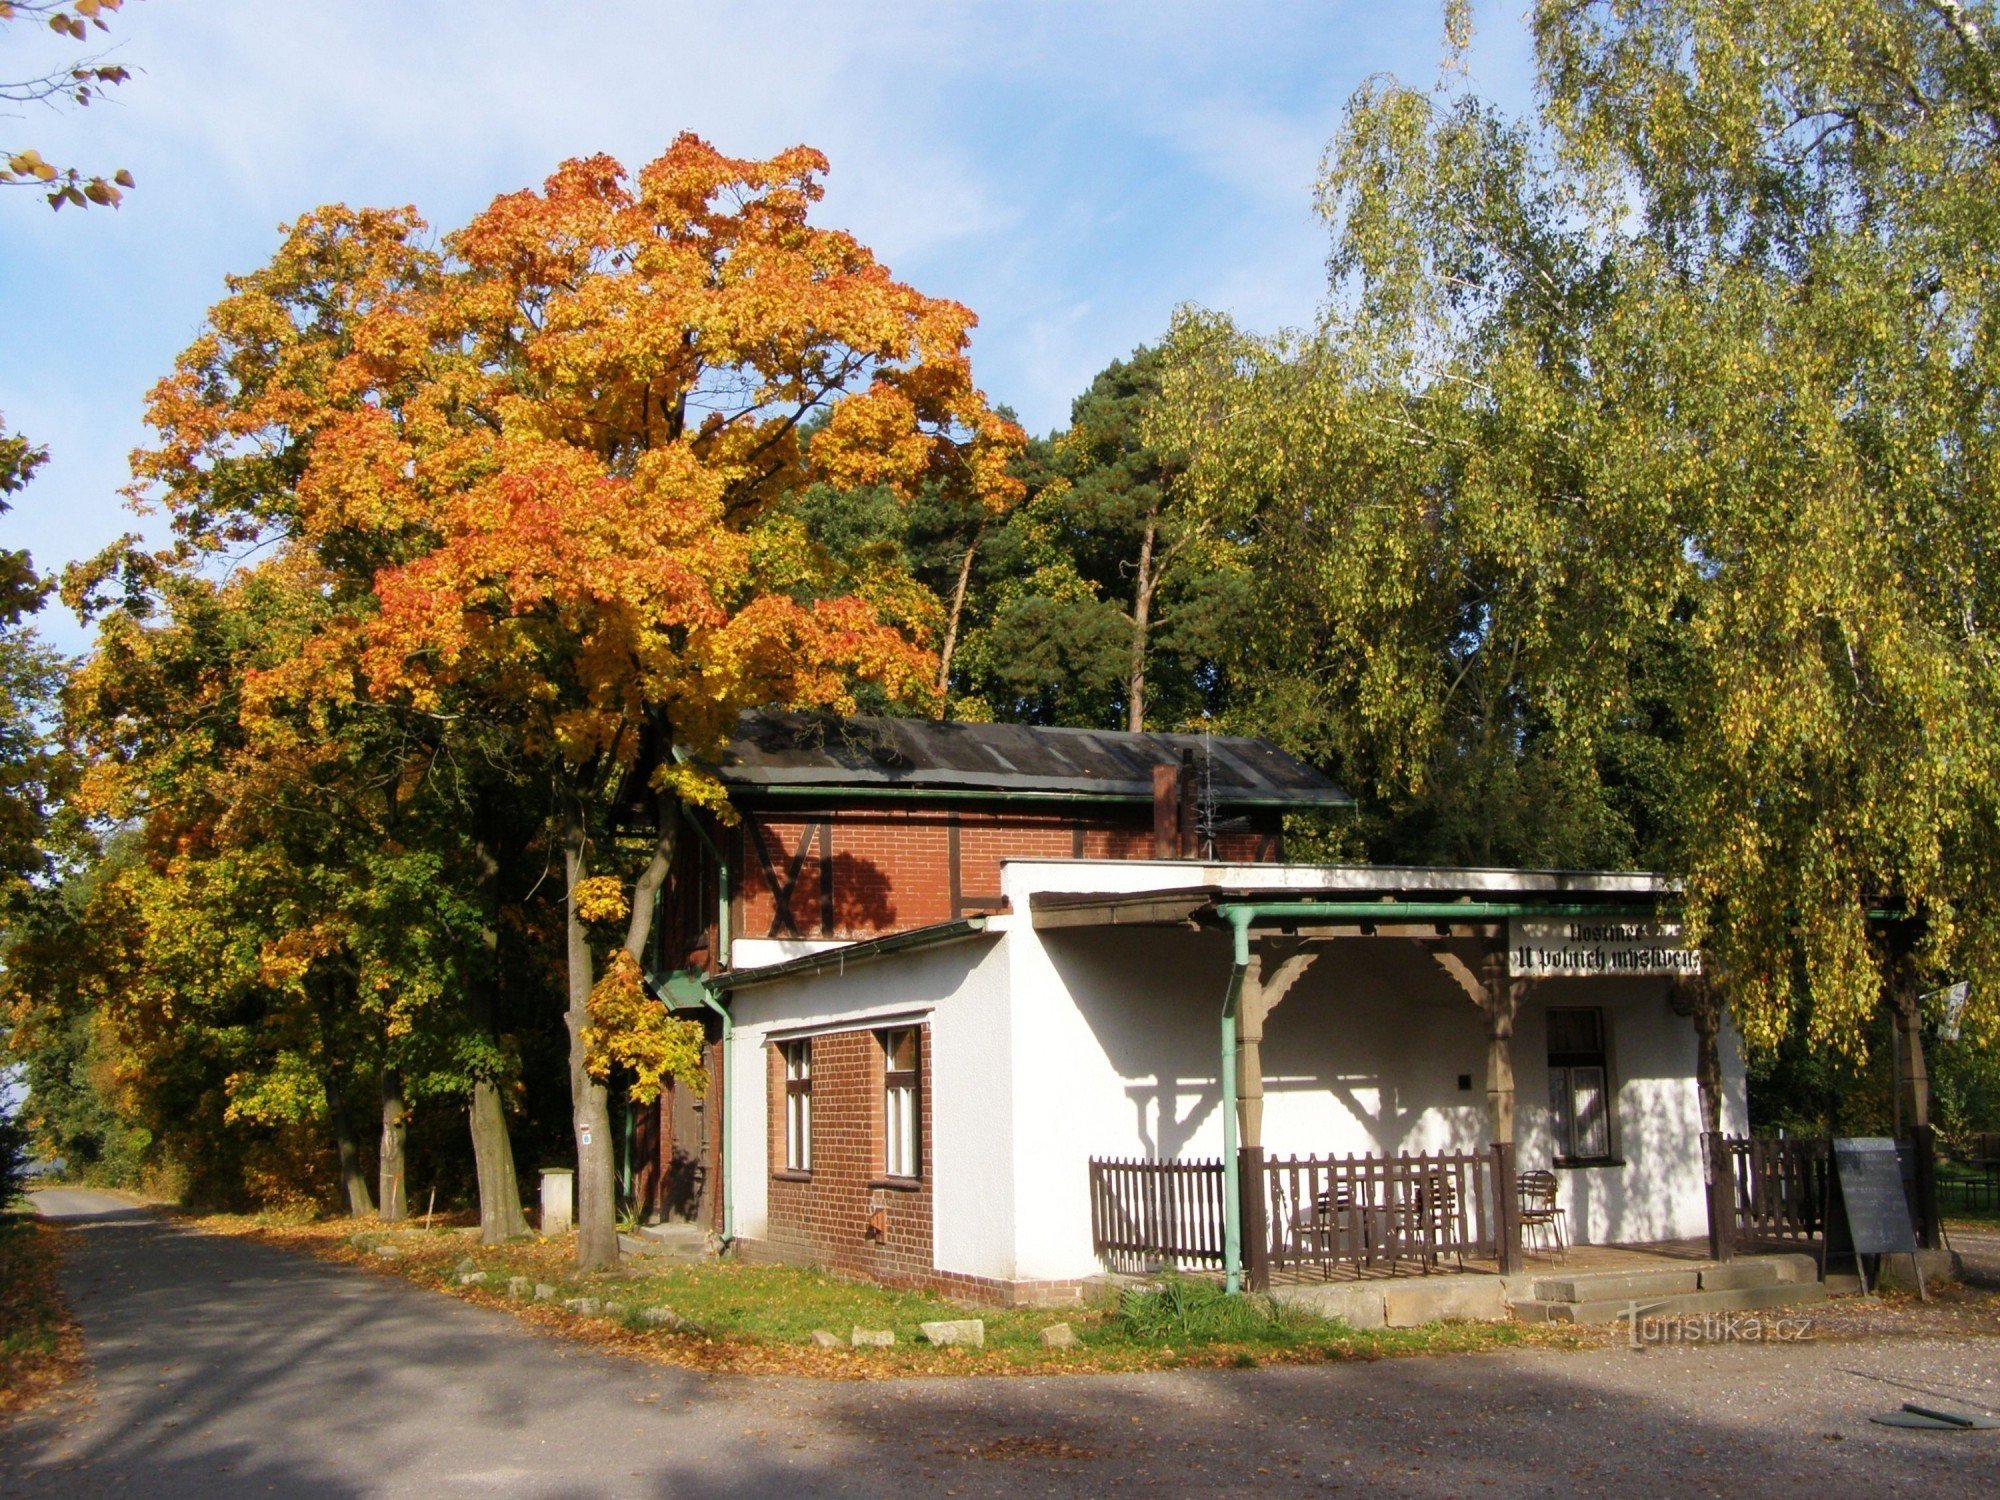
x=390, y=1181
x=500, y=1216
x=1142, y=615
x=353, y=1181
x=957, y=612
x=596, y=1180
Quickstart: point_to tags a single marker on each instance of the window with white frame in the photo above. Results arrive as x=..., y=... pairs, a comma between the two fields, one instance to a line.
x=902, y=1105
x=798, y=1105
x=1579, y=1085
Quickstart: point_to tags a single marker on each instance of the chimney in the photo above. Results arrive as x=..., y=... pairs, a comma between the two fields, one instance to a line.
x=1190, y=815
x=1166, y=812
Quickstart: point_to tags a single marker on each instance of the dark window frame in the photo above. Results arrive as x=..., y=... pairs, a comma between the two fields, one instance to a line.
x=1583, y=1138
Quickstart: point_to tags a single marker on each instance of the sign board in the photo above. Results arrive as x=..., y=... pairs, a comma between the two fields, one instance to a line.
x=1874, y=1207
x=1954, y=996
x=1596, y=948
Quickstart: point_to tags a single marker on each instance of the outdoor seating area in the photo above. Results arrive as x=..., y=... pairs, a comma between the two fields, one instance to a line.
x=1347, y=1216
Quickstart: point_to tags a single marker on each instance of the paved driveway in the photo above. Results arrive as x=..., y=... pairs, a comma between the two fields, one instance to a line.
x=222, y=1368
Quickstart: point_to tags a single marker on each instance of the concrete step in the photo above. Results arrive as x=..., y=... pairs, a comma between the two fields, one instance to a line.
x=673, y=1241
x=1738, y=1275
x=1599, y=1286
x=1610, y=1310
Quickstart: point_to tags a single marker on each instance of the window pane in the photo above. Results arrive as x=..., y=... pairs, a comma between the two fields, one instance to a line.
x=1593, y=1135
x=1559, y=1121
x=900, y=1131
x=901, y=1048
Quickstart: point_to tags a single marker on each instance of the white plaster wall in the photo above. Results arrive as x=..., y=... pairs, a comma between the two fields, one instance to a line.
x=1657, y=1192
x=961, y=990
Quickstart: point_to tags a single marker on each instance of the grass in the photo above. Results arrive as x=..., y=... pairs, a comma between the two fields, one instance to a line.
x=39, y=1346
x=761, y=1318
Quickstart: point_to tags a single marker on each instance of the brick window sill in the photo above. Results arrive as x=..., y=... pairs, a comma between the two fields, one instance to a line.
x=898, y=1184
x=788, y=1175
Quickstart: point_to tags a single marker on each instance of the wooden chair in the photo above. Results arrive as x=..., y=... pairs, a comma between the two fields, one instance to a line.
x=1542, y=1218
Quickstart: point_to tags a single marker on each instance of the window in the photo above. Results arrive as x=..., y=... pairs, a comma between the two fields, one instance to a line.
x=1579, y=1107
x=798, y=1105
x=902, y=1148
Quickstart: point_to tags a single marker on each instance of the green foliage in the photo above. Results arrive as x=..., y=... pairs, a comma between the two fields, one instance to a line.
x=1181, y=1310
x=14, y=1154
x=1631, y=500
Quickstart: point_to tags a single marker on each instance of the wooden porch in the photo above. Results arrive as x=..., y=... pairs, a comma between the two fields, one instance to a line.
x=1321, y=1219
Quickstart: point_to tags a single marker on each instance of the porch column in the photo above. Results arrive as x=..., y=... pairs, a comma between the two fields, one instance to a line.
x=1498, y=996
x=1694, y=996
x=1915, y=1086
x=1259, y=997
x=1501, y=998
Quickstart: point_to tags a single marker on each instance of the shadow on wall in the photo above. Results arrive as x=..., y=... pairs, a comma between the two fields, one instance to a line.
x=1366, y=1055
x=1653, y=1190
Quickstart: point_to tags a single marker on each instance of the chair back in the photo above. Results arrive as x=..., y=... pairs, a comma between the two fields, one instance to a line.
x=1538, y=1190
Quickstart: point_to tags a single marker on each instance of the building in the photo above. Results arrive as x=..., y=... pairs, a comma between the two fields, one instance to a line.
x=997, y=1008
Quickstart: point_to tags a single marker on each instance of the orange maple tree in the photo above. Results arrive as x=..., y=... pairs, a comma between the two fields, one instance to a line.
x=555, y=454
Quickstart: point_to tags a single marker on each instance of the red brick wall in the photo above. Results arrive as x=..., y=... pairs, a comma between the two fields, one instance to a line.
x=892, y=869
x=824, y=1216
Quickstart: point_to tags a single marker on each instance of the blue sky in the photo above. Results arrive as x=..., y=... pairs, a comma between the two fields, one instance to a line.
x=1071, y=171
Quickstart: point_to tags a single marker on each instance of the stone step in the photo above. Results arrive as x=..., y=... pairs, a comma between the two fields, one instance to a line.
x=669, y=1241
x=1684, y=1304
x=1738, y=1275
x=1598, y=1286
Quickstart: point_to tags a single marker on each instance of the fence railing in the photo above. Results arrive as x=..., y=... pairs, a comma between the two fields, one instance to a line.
x=1781, y=1188
x=1146, y=1214
x=1323, y=1211
x=1368, y=1211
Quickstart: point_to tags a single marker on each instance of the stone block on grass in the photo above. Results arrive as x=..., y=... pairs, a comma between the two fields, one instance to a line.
x=614, y=1310
x=583, y=1306
x=472, y=1278
x=518, y=1286
x=963, y=1333
x=826, y=1339
x=872, y=1338
x=544, y=1292
x=1059, y=1336
x=661, y=1317
x=388, y=1252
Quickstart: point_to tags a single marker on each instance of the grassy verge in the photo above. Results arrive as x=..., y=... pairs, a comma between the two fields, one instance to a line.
x=39, y=1346
x=761, y=1319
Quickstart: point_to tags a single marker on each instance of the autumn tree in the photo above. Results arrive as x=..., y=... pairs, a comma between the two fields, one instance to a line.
x=181, y=708
x=556, y=455
x=1649, y=441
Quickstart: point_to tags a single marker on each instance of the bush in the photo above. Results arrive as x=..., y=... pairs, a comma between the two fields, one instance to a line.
x=13, y=1157
x=1181, y=1310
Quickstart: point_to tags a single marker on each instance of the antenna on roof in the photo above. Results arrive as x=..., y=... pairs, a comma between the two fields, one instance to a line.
x=1205, y=814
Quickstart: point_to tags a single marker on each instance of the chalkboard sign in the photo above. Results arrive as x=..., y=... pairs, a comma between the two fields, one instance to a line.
x=1876, y=1210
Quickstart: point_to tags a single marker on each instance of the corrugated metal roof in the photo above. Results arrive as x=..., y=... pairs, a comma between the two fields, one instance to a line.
x=774, y=751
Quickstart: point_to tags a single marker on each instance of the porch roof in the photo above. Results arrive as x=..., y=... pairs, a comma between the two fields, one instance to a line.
x=1400, y=895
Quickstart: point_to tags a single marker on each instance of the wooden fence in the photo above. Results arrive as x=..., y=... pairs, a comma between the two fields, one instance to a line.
x=1326, y=1211
x=1369, y=1212
x=1781, y=1189
x=1149, y=1214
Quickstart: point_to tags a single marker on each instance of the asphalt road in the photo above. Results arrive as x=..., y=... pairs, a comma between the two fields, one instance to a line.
x=222, y=1368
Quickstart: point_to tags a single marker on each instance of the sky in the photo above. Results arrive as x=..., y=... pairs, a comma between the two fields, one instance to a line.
x=1073, y=170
